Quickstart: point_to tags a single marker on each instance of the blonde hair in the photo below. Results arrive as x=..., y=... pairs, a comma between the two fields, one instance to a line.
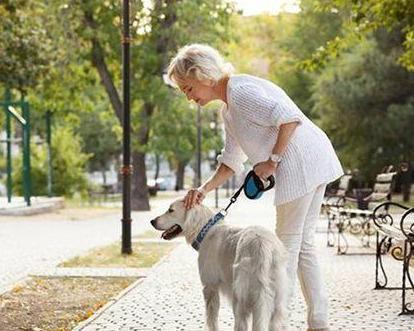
x=200, y=62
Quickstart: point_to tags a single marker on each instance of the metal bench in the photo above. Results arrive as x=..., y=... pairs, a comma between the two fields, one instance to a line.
x=354, y=214
x=395, y=235
x=335, y=200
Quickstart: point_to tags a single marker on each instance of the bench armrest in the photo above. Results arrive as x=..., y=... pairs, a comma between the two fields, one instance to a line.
x=383, y=217
x=407, y=224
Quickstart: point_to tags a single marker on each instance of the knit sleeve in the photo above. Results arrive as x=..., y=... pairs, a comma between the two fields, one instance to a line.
x=232, y=155
x=255, y=104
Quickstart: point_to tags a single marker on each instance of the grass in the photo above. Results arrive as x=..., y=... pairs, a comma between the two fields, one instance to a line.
x=144, y=255
x=96, y=202
x=149, y=234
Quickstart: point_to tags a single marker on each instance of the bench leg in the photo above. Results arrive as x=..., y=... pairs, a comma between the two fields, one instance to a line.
x=407, y=308
x=384, y=243
x=368, y=232
x=341, y=249
x=330, y=239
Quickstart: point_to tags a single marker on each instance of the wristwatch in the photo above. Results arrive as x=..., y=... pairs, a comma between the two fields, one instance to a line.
x=277, y=158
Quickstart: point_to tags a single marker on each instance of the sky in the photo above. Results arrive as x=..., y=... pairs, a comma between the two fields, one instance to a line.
x=254, y=7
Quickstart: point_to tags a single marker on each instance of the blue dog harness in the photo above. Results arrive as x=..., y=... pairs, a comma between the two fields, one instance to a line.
x=253, y=189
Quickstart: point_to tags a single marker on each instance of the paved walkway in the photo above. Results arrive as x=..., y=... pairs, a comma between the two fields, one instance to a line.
x=29, y=245
x=170, y=298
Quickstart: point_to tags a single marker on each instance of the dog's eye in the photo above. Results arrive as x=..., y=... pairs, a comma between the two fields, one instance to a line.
x=170, y=210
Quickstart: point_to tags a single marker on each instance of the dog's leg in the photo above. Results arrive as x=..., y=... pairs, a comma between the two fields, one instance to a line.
x=278, y=320
x=262, y=313
x=240, y=316
x=212, y=303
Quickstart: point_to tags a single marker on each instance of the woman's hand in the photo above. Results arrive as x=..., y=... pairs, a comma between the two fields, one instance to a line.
x=193, y=197
x=265, y=169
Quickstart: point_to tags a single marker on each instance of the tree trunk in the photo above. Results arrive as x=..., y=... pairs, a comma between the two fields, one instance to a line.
x=139, y=177
x=179, y=175
x=157, y=166
x=139, y=190
x=139, y=183
x=104, y=176
x=98, y=61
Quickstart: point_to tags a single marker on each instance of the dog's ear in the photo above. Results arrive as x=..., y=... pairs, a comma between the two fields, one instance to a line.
x=189, y=215
x=195, y=214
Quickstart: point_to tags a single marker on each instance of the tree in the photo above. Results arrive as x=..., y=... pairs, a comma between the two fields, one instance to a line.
x=365, y=17
x=68, y=166
x=364, y=101
x=24, y=46
x=284, y=42
x=157, y=32
x=98, y=131
x=174, y=134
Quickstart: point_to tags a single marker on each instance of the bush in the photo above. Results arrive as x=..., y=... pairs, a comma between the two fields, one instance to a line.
x=68, y=166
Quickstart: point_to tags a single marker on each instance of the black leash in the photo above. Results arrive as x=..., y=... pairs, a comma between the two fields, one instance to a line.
x=234, y=198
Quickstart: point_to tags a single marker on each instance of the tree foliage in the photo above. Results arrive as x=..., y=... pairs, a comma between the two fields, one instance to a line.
x=364, y=101
x=366, y=16
x=24, y=46
x=68, y=166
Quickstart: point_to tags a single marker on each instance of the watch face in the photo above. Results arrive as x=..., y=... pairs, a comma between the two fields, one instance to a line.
x=275, y=157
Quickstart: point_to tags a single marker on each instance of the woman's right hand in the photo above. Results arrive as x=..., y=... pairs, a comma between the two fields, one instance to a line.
x=193, y=197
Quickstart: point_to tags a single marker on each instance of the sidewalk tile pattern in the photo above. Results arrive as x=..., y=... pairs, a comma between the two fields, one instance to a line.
x=170, y=298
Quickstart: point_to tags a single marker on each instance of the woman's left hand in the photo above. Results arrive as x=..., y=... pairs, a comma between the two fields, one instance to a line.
x=265, y=169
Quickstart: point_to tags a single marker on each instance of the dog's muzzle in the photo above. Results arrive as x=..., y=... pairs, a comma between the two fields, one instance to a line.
x=170, y=233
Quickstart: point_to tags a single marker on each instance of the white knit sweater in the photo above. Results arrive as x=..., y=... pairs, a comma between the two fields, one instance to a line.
x=255, y=110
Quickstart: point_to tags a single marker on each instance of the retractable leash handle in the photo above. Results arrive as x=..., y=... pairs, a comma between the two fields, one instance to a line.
x=271, y=180
x=254, y=186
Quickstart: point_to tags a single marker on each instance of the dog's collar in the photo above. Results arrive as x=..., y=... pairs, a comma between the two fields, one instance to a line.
x=201, y=235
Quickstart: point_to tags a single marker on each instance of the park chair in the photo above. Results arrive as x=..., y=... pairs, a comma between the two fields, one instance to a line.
x=355, y=213
x=335, y=200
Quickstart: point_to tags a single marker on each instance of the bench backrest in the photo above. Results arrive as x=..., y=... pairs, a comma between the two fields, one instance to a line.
x=343, y=187
x=383, y=186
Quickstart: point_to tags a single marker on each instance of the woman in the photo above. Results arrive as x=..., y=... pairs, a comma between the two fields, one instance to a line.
x=264, y=125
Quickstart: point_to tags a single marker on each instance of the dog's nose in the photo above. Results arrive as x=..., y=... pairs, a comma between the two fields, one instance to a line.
x=153, y=222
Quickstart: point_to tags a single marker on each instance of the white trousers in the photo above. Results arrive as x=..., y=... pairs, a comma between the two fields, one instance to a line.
x=296, y=226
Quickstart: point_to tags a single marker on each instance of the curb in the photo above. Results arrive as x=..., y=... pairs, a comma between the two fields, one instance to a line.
x=40, y=207
x=112, y=301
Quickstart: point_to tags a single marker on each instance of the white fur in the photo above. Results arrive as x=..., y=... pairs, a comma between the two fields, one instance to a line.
x=247, y=265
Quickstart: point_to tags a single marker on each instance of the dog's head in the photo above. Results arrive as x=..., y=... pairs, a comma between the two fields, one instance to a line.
x=177, y=220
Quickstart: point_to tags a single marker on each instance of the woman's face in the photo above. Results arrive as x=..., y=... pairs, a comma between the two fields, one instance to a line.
x=195, y=90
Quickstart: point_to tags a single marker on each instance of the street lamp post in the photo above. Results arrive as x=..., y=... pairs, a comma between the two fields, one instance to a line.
x=126, y=169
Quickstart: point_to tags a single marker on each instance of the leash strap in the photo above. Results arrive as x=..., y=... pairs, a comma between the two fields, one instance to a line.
x=234, y=198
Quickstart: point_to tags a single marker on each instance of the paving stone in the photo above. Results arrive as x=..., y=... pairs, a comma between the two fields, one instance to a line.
x=29, y=246
x=170, y=298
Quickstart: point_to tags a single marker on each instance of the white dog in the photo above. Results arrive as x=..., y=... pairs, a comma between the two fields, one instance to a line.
x=247, y=265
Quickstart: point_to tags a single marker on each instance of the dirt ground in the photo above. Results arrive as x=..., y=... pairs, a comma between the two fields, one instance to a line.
x=56, y=304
